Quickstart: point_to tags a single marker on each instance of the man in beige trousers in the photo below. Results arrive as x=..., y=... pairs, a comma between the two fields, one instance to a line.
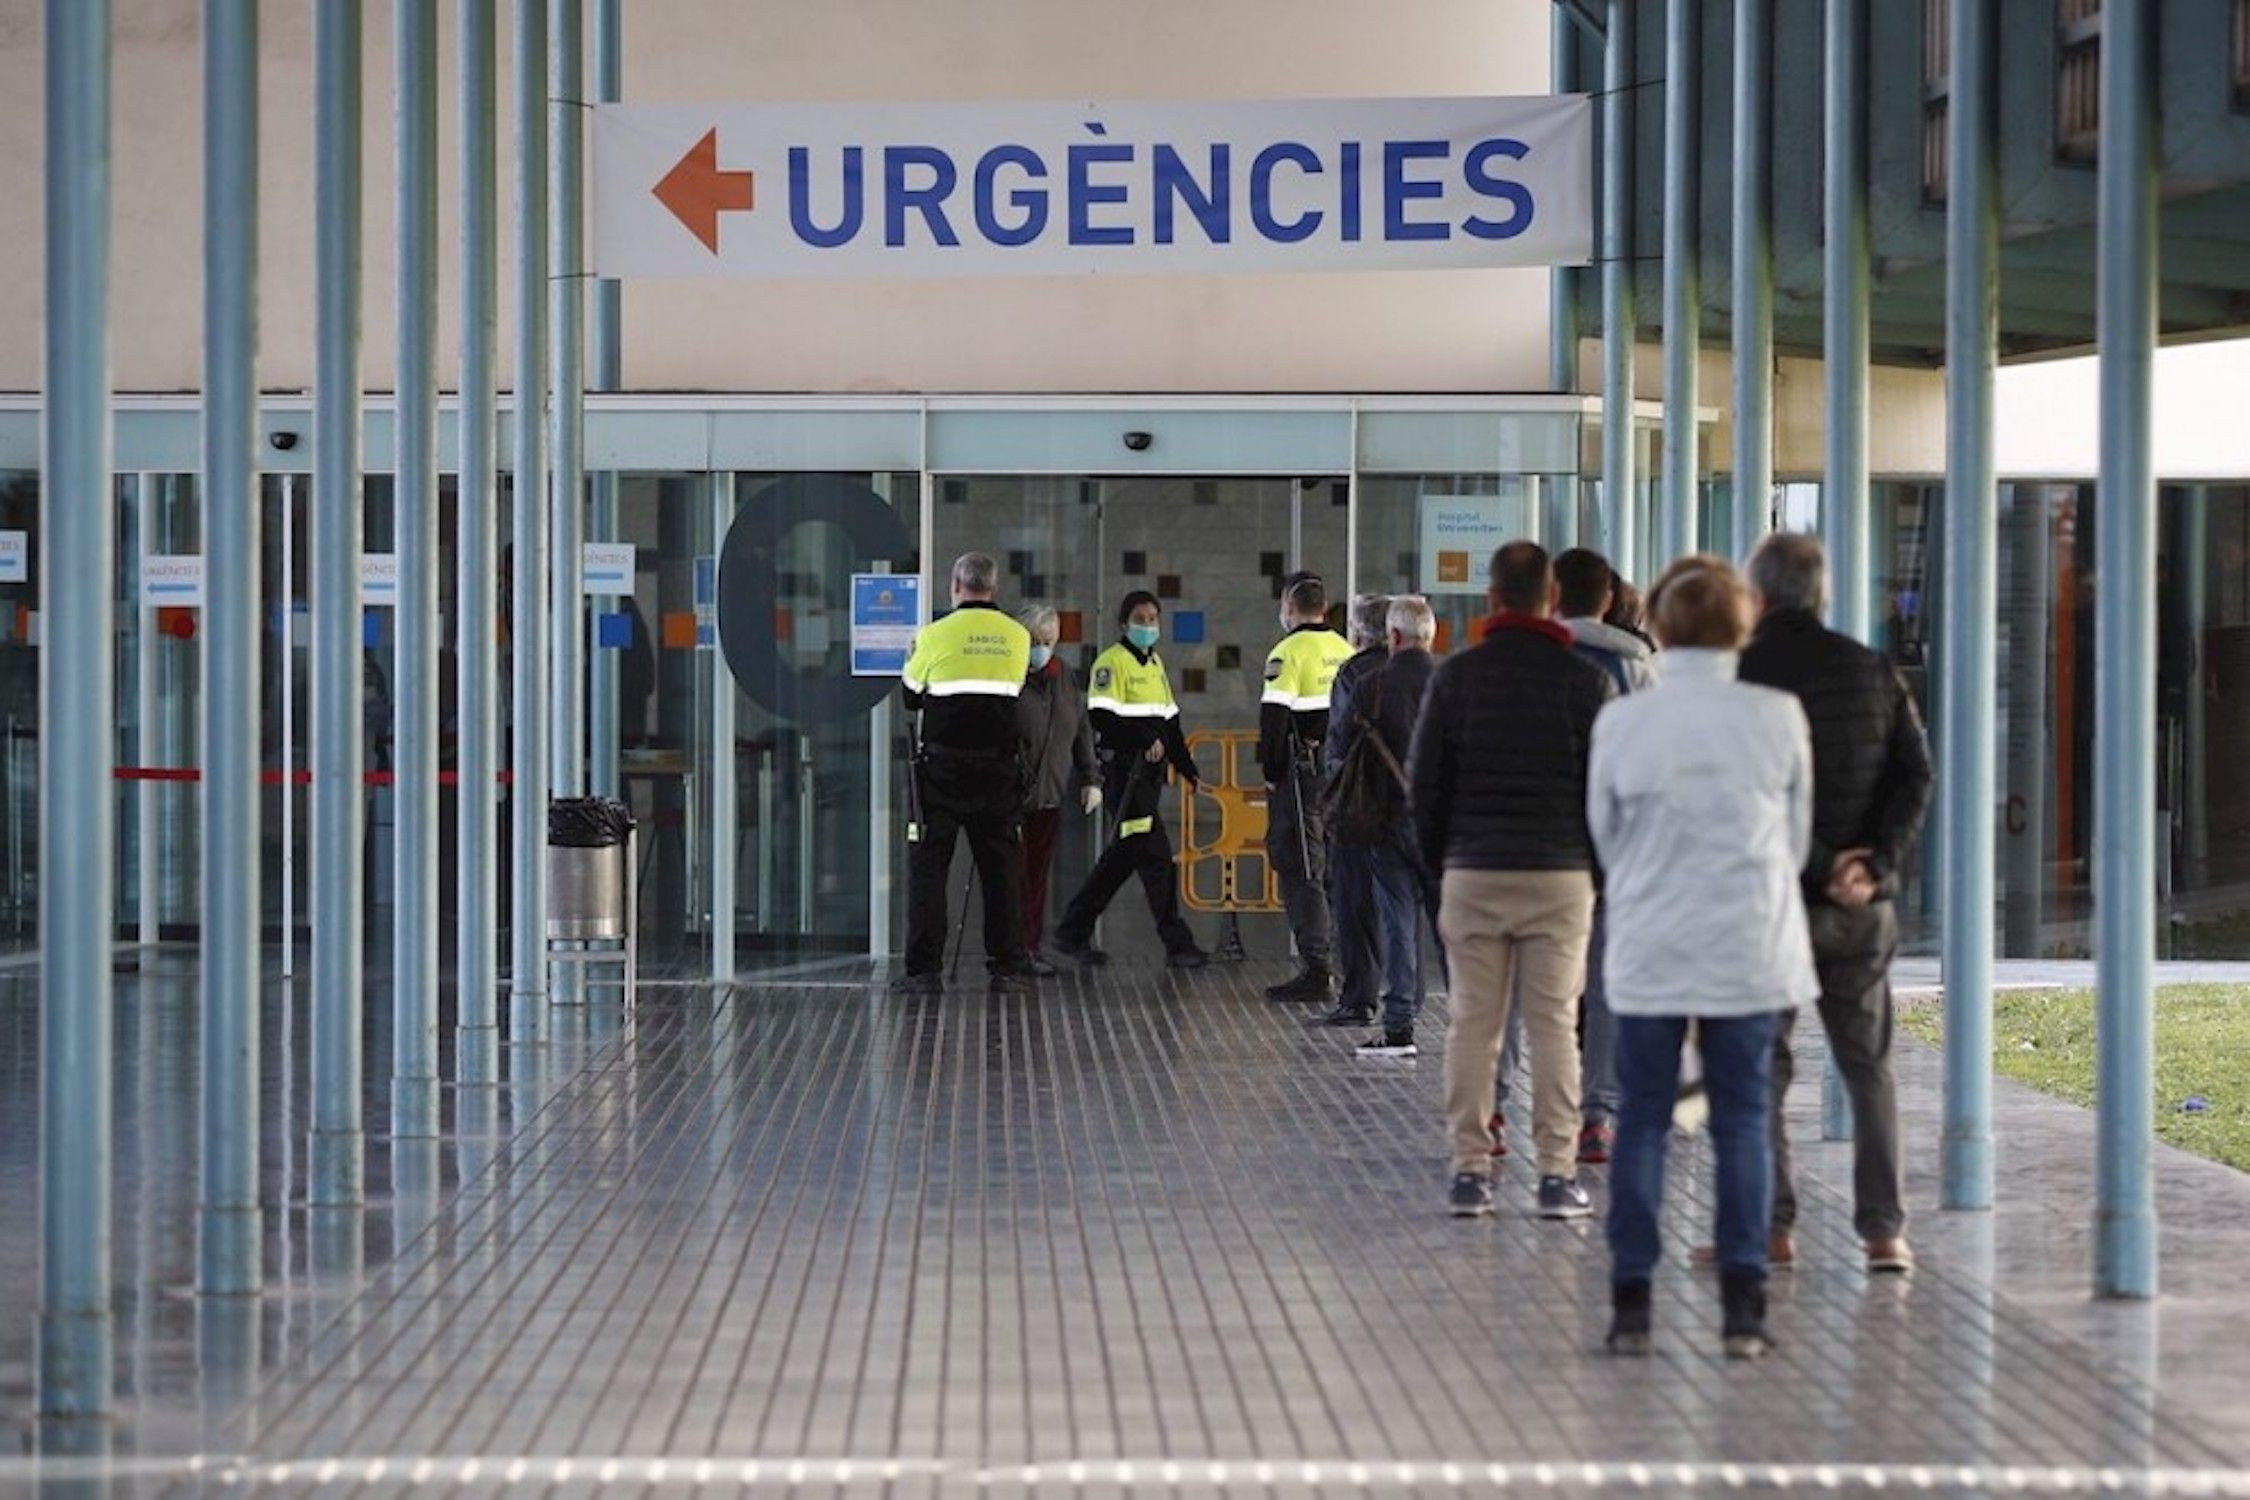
x=1498, y=791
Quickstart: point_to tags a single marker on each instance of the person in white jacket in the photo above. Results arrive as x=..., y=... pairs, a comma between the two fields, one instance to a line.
x=1699, y=799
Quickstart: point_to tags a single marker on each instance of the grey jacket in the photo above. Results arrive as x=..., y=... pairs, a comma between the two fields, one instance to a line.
x=1602, y=644
x=1057, y=737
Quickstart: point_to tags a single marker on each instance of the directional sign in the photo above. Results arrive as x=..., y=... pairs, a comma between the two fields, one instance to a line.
x=378, y=580
x=174, y=581
x=608, y=568
x=1042, y=189
x=15, y=557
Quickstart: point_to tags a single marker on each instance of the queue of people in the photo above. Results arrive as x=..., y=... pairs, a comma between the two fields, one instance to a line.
x=1624, y=842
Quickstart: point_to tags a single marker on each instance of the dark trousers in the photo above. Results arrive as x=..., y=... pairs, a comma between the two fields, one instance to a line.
x=1852, y=950
x=1378, y=900
x=1148, y=855
x=996, y=844
x=1736, y=1055
x=1297, y=848
x=1041, y=828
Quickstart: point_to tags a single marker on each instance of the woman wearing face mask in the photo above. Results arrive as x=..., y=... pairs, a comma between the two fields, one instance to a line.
x=1137, y=729
x=1059, y=743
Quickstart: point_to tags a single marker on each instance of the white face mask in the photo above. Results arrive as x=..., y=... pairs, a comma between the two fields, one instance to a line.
x=1040, y=656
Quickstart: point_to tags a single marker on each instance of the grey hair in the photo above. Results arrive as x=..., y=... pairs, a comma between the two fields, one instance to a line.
x=1789, y=570
x=1411, y=616
x=976, y=573
x=1036, y=617
x=1368, y=611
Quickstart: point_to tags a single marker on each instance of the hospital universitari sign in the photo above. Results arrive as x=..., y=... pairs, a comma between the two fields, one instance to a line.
x=996, y=189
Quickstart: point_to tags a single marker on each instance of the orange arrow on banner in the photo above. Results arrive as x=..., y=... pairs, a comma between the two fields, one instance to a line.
x=697, y=192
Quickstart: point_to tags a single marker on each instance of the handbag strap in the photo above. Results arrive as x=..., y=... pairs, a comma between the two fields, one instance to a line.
x=1371, y=730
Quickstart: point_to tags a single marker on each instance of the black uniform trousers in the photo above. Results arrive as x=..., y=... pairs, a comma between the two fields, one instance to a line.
x=1147, y=855
x=994, y=828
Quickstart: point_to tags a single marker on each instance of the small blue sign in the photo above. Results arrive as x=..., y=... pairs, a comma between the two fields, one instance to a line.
x=886, y=611
x=1188, y=627
x=706, y=603
x=613, y=631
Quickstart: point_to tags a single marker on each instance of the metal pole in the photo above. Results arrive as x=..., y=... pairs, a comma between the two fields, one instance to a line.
x=1617, y=287
x=1844, y=504
x=1560, y=525
x=339, y=810
x=725, y=779
x=607, y=374
x=567, y=356
x=228, y=1247
x=2125, y=661
x=1969, y=624
x=476, y=494
x=1683, y=271
x=414, y=913
x=151, y=900
x=288, y=799
x=527, y=923
x=77, y=696
x=2030, y=603
x=1753, y=272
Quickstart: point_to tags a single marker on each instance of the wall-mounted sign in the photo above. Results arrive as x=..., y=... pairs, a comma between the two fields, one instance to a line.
x=15, y=557
x=607, y=568
x=1063, y=188
x=886, y=611
x=172, y=580
x=1458, y=535
x=378, y=580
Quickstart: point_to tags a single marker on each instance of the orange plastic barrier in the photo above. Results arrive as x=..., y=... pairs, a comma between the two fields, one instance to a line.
x=1223, y=864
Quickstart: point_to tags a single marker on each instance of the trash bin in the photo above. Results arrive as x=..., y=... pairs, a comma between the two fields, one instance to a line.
x=588, y=843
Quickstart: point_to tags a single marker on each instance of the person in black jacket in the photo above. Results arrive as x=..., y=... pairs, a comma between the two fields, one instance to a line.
x=1357, y=943
x=1871, y=787
x=1380, y=894
x=1497, y=788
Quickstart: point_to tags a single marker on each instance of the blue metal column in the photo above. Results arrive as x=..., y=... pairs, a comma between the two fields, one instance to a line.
x=566, y=69
x=1618, y=312
x=1683, y=281
x=607, y=375
x=1753, y=272
x=566, y=487
x=228, y=1246
x=1844, y=307
x=2125, y=661
x=77, y=707
x=414, y=945
x=1559, y=525
x=476, y=939
x=1969, y=624
x=339, y=813
x=527, y=923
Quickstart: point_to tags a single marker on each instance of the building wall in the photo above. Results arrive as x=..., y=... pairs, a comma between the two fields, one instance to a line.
x=1406, y=331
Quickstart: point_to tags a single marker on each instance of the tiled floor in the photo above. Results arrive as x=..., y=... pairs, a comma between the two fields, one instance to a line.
x=1136, y=1233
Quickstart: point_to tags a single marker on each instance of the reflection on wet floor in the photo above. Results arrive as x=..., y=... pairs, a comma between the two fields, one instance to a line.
x=1136, y=1231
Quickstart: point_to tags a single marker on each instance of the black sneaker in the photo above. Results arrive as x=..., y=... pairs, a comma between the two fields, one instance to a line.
x=1013, y=979
x=1309, y=987
x=1743, y=1296
x=1187, y=958
x=1471, y=1196
x=1563, y=1198
x=1629, y=1320
x=918, y=984
x=1076, y=952
x=1346, y=1015
x=1389, y=1044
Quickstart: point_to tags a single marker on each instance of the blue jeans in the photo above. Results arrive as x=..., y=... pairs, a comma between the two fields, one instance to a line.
x=1737, y=1061
x=1597, y=1043
x=1378, y=900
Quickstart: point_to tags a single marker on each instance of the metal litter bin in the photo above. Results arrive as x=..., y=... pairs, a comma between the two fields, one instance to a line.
x=590, y=880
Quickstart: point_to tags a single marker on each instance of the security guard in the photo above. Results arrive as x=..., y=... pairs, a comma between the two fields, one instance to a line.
x=968, y=776
x=1292, y=721
x=1136, y=731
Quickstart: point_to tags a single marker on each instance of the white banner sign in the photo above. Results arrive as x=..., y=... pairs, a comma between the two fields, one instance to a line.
x=174, y=579
x=1063, y=188
x=378, y=580
x=15, y=557
x=1459, y=534
x=606, y=568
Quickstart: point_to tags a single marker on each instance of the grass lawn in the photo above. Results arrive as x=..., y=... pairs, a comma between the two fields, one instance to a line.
x=2045, y=1038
